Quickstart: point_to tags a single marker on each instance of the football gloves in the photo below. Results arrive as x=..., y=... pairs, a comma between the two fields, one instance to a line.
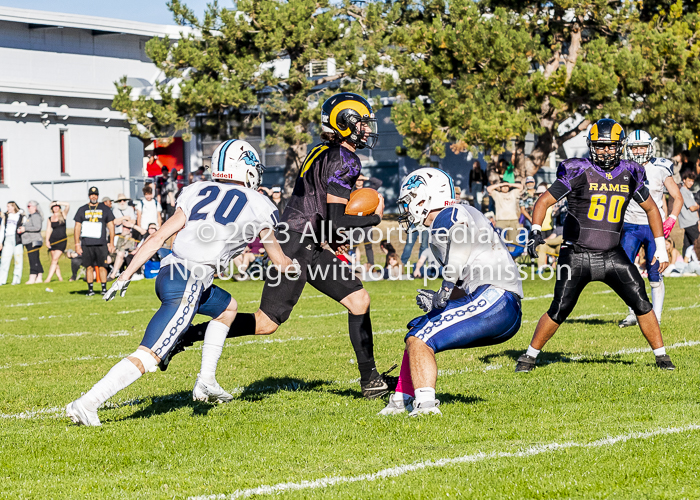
x=668, y=225
x=534, y=240
x=118, y=287
x=428, y=300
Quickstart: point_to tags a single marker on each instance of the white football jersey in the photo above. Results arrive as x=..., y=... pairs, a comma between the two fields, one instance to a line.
x=657, y=170
x=465, y=244
x=222, y=219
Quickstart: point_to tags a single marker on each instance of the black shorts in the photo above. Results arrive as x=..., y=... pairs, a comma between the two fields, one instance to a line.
x=576, y=269
x=320, y=268
x=95, y=256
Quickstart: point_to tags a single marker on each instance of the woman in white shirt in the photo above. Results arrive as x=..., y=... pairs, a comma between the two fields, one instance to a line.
x=11, y=244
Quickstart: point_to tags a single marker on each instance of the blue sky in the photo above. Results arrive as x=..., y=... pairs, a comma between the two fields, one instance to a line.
x=147, y=11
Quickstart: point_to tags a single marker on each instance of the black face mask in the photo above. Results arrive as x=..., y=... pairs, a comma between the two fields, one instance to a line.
x=607, y=160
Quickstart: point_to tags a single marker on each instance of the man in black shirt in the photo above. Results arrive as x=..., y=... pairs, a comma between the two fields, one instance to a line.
x=313, y=215
x=94, y=224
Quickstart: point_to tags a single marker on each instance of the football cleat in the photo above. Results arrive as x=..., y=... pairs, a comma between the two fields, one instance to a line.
x=91, y=293
x=426, y=408
x=664, y=362
x=81, y=416
x=397, y=405
x=525, y=364
x=630, y=320
x=379, y=386
x=193, y=334
x=210, y=393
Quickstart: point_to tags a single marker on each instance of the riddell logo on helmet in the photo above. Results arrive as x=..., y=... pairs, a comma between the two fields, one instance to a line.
x=449, y=203
x=222, y=175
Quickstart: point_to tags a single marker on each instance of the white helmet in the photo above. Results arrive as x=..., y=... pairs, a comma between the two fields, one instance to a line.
x=640, y=138
x=423, y=191
x=236, y=160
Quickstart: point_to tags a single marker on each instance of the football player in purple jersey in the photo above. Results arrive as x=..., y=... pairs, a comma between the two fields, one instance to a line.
x=598, y=190
x=313, y=215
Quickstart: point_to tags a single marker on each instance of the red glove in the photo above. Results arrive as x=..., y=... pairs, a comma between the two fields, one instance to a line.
x=668, y=225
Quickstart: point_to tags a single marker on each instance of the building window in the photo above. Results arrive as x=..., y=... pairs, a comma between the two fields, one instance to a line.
x=63, y=151
x=2, y=162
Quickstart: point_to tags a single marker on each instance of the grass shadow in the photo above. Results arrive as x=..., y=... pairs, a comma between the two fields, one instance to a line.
x=165, y=404
x=459, y=398
x=593, y=321
x=261, y=389
x=546, y=358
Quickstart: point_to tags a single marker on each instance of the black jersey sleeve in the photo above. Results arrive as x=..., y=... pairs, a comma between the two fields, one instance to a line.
x=341, y=220
x=641, y=195
x=558, y=189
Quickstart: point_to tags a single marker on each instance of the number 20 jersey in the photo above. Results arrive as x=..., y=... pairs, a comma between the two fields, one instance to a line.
x=222, y=219
x=597, y=200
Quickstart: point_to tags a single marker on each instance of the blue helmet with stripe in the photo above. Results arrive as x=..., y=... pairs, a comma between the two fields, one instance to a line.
x=636, y=140
x=237, y=160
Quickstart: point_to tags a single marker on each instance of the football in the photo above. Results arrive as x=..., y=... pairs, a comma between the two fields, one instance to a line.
x=362, y=202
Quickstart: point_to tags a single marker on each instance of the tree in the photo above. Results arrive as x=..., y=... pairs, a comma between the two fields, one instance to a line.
x=480, y=74
x=224, y=72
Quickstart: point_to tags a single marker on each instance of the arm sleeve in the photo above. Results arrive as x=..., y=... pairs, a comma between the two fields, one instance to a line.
x=341, y=220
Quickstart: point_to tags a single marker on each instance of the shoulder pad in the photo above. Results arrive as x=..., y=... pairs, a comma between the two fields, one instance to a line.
x=445, y=219
x=664, y=163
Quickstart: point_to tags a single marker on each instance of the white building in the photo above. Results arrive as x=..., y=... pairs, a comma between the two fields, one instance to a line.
x=58, y=133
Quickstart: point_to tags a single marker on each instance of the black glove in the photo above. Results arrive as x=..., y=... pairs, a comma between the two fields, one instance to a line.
x=429, y=300
x=534, y=239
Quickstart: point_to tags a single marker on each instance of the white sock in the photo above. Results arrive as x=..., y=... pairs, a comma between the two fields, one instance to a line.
x=425, y=394
x=532, y=352
x=658, y=293
x=121, y=376
x=631, y=313
x=660, y=351
x=214, y=339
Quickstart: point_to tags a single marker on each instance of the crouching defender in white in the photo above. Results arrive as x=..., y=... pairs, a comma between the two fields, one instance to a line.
x=215, y=221
x=478, y=303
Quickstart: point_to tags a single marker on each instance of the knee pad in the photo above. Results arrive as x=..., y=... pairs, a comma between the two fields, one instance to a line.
x=147, y=360
x=656, y=284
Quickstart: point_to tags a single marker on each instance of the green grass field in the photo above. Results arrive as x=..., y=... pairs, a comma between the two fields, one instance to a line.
x=299, y=417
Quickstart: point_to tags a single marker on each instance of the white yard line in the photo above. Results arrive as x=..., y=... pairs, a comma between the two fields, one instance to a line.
x=444, y=462
x=119, y=333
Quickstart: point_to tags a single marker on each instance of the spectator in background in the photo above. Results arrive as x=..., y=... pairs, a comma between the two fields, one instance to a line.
x=56, y=237
x=686, y=165
x=124, y=227
x=506, y=196
x=477, y=181
x=153, y=166
x=688, y=218
x=107, y=201
x=75, y=262
x=527, y=203
x=275, y=195
x=198, y=176
x=507, y=171
x=31, y=239
x=94, y=234
x=11, y=244
x=168, y=198
x=148, y=209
